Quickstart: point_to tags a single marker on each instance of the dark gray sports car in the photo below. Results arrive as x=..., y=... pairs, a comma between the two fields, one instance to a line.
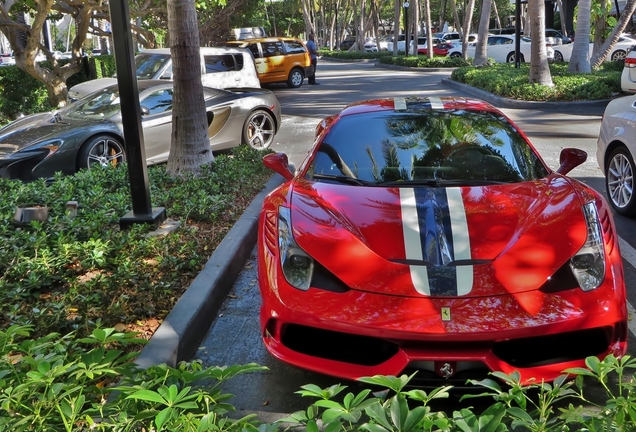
x=90, y=131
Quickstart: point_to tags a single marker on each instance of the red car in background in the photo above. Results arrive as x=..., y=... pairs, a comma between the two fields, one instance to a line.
x=439, y=49
x=428, y=235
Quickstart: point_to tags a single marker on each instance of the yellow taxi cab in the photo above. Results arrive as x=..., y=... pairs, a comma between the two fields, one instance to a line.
x=278, y=59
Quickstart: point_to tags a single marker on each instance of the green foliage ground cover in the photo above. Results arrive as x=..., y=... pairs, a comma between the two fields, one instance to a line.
x=70, y=272
x=505, y=80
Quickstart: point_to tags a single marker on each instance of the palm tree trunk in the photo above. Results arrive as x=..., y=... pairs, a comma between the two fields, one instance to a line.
x=481, y=51
x=580, y=59
x=190, y=144
x=539, y=67
x=626, y=15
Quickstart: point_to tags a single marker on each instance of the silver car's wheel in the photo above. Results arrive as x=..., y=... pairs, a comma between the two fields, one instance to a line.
x=103, y=150
x=558, y=57
x=455, y=55
x=511, y=58
x=618, y=55
x=295, y=79
x=259, y=130
x=619, y=181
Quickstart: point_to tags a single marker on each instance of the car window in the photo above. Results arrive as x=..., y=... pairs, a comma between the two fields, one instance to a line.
x=102, y=104
x=254, y=49
x=158, y=101
x=454, y=145
x=271, y=49
x=147, y=65
x=294, y=47
x=219, y=63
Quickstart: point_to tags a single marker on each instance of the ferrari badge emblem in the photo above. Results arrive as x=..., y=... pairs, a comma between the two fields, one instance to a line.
x=446, y=315
x=446, y=371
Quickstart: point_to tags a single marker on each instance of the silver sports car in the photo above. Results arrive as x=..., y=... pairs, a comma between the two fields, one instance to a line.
x=90, y=130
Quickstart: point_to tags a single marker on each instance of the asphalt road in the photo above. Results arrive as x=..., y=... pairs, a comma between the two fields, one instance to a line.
x=234, y=336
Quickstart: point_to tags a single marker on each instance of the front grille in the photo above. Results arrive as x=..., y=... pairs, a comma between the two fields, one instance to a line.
x=544, y=350
x=337, y=346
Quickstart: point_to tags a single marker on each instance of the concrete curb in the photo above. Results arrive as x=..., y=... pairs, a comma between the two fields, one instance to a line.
x=178, y=337
x=595, y=107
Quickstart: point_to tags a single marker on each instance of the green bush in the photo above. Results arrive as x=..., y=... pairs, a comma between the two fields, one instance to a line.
x=422, y=61
x=67, y=383
x=505, y=80
x=64, y=274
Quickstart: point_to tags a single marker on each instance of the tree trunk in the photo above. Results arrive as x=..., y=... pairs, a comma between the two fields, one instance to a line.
x=607, y=47
x=396, y=26
x=580, y=59
x=481, y=51
x=429, y=27
x=599, y=27
x=539, y=67
x=497, y=20
x=466, y=28
x=562, y=17
x=190, y=144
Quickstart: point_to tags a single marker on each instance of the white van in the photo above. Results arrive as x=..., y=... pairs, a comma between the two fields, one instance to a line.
x=221, y=67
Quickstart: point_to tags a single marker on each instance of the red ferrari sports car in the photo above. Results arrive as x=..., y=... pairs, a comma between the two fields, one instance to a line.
x=427, y=234
x=438, y=50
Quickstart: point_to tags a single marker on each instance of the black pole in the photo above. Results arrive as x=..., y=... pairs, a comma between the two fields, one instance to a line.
x=517, y=33
x=407, y=40
x=142, y=211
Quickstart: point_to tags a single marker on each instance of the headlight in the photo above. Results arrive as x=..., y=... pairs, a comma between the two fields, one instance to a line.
x=298, y=267
x=588, y=265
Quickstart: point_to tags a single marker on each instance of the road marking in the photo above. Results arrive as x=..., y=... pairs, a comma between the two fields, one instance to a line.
x=628, y=253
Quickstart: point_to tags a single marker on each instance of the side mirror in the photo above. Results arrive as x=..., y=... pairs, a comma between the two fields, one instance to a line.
x=570, y=158
x=279, y=162
x=144, y=111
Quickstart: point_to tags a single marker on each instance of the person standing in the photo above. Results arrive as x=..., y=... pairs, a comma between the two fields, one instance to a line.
x=313, y=55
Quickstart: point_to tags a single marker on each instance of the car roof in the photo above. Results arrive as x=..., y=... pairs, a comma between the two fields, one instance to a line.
x=204, y=50
x=417, y=104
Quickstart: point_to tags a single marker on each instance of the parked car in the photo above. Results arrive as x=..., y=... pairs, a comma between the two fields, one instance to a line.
x=347, y=43
x=615, y=152
x=247, y=33
x=620, y=51
x=221, y=67
x=89, y=132
x=628, y=76
x=428, y=235
x=441, y=49
x=278, y=59
x=555, y=37
x=7, y=59
x=501, y=48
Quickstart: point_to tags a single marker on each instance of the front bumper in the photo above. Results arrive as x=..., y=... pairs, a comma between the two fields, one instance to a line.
x=353, y=334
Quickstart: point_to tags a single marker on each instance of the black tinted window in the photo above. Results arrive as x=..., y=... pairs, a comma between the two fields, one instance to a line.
x=147, y=65
x=294, y=47
x=219, y=63
x=158, y=102
x=431, y=145
x=271, y=49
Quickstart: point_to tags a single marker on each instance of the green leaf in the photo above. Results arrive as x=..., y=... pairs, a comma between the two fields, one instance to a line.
x=147, y=395
x=163, y=417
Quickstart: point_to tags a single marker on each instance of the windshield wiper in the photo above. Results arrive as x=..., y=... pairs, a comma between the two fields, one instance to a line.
x=344, y=179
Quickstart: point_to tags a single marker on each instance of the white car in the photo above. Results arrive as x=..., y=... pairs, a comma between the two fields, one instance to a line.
x=221, y=67
x=615, y=151
x=501, y=48
x=622, y=47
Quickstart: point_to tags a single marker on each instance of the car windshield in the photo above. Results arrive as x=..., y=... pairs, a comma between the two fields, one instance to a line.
x=438, y=147
x=101, y=104
x=147, y=64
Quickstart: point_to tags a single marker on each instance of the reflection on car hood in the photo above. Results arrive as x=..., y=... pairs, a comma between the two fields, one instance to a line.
x=461, y=241
x=36, y=128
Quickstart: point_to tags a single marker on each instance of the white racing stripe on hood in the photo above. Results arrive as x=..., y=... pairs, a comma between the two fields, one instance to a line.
x=436, y=103
x=412, y=242
x=461, y=239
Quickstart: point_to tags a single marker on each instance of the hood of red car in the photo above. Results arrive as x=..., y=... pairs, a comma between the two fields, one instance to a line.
x=459, y=241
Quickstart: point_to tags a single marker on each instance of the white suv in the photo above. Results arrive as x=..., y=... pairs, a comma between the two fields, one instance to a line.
x=221, y=67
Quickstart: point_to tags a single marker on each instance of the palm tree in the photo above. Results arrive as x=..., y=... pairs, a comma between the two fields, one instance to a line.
x=605, y=49
x=190, y=145
x=481, y=51
x=580, y=60
x=539, y=67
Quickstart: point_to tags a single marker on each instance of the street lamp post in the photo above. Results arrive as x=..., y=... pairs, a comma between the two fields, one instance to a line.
x=406, y=27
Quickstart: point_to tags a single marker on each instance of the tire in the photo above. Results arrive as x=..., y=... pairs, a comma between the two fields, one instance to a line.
x=103, y=150
x=619, y=181
x=455, y=55
x=511, y=58
x=296, y=78
x=259, y=130
x=618, y=55
x=558, y=57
